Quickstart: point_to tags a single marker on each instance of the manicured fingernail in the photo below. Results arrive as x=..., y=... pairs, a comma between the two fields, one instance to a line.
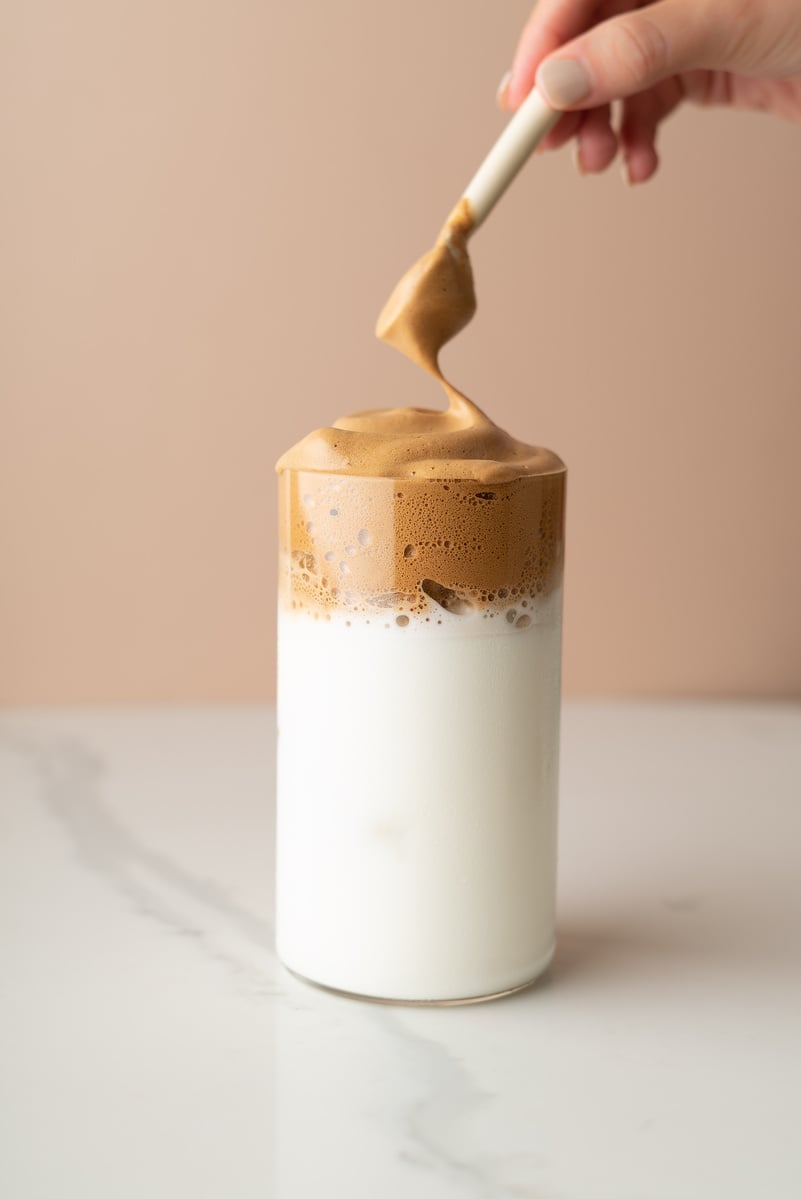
x=577, y=163
x=625, y=174
x=503, y=86
x=563, y=82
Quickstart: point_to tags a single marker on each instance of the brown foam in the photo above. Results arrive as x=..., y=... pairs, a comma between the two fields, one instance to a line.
x=435, y=298
x=418, y=510
x=431, y=303
x=378, y=546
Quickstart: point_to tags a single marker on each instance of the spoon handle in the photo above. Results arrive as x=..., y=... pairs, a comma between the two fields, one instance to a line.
x=529, y=125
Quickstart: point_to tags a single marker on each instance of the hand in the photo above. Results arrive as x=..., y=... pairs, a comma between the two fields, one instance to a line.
x=583, y=54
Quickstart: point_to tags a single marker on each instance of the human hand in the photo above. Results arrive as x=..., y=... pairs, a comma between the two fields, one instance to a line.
x=584, y=54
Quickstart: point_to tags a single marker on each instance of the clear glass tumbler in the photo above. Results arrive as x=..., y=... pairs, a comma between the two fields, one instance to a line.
x=419, y=649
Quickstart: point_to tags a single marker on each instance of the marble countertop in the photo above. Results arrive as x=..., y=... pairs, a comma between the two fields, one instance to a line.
x=151, y=1046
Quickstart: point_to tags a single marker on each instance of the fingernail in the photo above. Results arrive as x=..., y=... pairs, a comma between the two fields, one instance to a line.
x=563, y=82
x=625, y=174
x=577, y=163
x=500, y=95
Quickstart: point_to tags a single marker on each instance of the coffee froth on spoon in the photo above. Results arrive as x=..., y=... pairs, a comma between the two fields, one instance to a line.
x=435, y=298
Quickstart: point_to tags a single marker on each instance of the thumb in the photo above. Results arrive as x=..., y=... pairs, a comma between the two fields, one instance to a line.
x=629, y=53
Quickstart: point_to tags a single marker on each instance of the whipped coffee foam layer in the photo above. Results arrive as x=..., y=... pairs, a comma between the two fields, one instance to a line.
x=419, y=548
x=407, y=443
x=431, y=303
x=417, y=511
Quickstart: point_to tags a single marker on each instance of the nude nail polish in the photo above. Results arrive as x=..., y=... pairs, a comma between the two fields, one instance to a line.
x=564, y=82
x=500, y=95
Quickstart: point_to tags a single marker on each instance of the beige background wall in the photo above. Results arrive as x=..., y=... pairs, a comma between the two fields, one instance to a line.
x=204, y=205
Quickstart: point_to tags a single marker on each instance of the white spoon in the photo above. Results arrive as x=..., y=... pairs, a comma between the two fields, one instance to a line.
x=533, y=120
x=436, y=297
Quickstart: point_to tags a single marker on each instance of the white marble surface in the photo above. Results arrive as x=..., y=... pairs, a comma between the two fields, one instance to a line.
x=150, y=1046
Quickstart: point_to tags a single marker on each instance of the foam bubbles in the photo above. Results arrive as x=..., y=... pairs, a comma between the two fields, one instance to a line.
x=304, y=561
x=446, y=597
x=432, y=548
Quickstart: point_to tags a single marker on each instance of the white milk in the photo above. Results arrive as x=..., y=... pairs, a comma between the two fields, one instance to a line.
x=417, y=788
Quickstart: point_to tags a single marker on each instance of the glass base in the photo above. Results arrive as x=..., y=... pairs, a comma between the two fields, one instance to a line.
x=462, y=1002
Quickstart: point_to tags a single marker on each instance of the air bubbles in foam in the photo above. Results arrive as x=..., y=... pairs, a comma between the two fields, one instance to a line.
x=410, y=551
x=344, y=568
x=401, y=621
x=523, y=622
x=350, y=549
x=304, y=560
x=446, y=597
x=364, y=537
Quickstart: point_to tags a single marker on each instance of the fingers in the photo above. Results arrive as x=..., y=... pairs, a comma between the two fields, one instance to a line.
x=634, y=52
x=567, y=127
x=597, y=141
x=552, y=23
x=628, y=54
x=641, y=117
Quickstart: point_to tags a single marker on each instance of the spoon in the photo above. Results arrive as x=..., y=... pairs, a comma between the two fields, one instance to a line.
x=436, y=297
x=532, y=122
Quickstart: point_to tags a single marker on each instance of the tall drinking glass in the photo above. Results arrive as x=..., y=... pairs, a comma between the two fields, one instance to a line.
x=419, y=643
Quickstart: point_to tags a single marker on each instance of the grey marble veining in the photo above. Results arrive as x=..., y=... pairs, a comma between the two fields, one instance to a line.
x=70, y=780
x=151, y=1044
